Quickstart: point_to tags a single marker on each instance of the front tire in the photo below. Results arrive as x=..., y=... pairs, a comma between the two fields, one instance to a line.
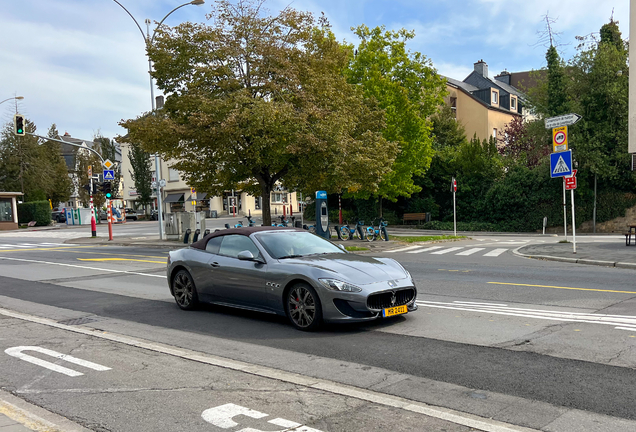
x=303, y=307
x=184, y=291
x=384, y=235
x=370, y=235
x=312, y=229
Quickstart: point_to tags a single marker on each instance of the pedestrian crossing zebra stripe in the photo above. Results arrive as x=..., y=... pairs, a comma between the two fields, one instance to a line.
x=495, y=252
x=445, y=251
x=425, y=249
x=405, y=249
x=470, y=251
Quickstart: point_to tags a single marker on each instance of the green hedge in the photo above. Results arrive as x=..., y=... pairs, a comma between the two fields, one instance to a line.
x=38, y=211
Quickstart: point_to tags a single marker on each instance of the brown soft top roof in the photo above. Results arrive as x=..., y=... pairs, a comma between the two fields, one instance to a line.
x=200, y=244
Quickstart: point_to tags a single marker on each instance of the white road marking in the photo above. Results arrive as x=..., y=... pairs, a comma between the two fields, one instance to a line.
x=82, y=267
x=444, y=251
x=18, y=353
x=470, y=251
x=14, y=246
x=405, y=249
x=332, y=387
x=425, y=249
x=222, y=416
x=495, y=252
x=476, y=303
x=581, y=317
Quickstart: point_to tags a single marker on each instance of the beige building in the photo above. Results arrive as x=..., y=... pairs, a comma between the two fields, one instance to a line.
x=9, y=210
x=178, y=196
x=484, y=106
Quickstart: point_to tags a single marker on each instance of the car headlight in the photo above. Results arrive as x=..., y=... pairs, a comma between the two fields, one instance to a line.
x=337, y=285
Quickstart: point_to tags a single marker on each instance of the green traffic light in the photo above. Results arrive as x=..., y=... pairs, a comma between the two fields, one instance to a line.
x=108, y=195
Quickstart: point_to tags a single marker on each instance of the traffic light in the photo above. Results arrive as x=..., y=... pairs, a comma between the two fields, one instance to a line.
x=18, y=121
x=105, y=188
x=87, y=187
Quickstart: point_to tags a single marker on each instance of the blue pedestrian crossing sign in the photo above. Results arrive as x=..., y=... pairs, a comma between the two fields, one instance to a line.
x=561, y=164
x=109, y=175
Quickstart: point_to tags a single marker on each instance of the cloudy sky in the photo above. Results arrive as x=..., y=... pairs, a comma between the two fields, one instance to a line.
x=81, y=63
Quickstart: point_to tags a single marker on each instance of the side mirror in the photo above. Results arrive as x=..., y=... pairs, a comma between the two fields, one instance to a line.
x=245, y=255
x=341, y=246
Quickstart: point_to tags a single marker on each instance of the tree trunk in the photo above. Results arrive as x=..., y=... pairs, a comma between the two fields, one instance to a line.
x=380, y=205
x=265, y=205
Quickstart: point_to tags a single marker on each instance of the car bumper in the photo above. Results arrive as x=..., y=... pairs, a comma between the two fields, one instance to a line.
x=340, y=306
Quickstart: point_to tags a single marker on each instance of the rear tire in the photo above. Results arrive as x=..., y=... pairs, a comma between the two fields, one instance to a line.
x=184, y=291
x=303, y=307
x=370, y=235
x=312, y=229
x=384, y=235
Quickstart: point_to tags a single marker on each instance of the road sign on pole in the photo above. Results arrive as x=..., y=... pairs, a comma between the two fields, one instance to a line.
x=107, y=164
x=560, y=139
x=563, y=120
x=561, y=164
x=109, y=175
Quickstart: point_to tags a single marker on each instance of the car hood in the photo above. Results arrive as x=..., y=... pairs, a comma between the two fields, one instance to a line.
x=356, y=269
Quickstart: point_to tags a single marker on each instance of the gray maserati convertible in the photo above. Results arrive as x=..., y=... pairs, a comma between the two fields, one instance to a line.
x=289, y=272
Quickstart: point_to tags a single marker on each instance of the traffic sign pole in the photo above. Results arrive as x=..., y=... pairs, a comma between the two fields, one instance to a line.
x=573, y=222
x=565, y=212
x=109, y=215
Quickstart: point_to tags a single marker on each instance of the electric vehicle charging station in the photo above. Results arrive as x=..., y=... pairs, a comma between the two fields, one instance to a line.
x=322, y=215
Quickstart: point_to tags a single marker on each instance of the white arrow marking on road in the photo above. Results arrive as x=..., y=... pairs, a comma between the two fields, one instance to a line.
x=18, y=353
x=221, y=416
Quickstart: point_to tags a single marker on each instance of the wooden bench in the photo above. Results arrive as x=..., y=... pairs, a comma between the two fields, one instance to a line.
x=414, y=217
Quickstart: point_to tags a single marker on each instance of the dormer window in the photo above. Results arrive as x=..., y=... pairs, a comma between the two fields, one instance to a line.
x=495, y=97
x=513, y=103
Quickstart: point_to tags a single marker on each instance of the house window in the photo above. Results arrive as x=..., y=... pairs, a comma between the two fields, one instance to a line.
x=494, y=133
x=495, y=96
x=279, y=197
x=173, y=174
x=453, y=106
x=513, y=103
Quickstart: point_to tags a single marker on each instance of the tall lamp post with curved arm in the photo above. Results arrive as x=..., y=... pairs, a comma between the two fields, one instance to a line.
x=12, y=98
x=149, y=40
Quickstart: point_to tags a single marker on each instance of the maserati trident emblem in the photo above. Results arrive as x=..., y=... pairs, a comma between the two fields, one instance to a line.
x=393, y=299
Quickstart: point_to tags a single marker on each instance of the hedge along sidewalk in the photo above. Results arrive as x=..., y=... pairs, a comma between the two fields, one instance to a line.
x=38, y=211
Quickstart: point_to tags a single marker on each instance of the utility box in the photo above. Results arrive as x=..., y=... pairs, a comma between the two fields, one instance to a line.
x=80, y=216
x=176, y=224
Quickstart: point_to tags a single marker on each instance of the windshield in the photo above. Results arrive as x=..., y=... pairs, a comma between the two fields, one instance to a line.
x=289, y=244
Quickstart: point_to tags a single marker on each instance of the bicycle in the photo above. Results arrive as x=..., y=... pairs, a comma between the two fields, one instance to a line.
x=372, y=234
x=250, y=221
x=312, y=229
x=284, y=222
x=346, y=233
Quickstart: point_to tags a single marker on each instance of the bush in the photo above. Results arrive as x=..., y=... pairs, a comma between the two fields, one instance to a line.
x=38, y=211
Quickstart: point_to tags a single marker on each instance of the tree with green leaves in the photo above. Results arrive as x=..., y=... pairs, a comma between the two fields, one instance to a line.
x=408, y=88
x=60, y=186
x=254, y=100
x=141, y=173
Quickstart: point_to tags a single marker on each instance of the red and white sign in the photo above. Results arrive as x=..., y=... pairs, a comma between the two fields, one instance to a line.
x=570, y=182
x=454, y=185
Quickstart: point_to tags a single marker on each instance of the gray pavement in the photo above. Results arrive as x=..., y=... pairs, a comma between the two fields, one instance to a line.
x=611, y=252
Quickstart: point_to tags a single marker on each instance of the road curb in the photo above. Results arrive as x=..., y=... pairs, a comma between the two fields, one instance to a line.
x=576, y=260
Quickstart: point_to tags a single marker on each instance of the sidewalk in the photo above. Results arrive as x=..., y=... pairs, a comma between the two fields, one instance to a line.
x=610, y=253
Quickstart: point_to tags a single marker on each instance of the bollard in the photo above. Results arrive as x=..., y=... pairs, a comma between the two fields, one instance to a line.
x=227, y=226
x=196, y=235
x=206, y=232
x=186, y=236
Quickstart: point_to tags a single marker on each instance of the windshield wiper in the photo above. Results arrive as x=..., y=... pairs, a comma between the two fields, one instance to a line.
x=290, y=256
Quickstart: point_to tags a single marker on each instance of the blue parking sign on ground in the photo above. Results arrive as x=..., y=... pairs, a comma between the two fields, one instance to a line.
x=561, y=164
x=109, y=175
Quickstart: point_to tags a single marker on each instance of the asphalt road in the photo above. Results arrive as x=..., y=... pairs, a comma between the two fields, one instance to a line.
x=533, y=343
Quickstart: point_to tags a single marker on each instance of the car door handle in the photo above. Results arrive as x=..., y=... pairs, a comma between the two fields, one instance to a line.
x=215, y=264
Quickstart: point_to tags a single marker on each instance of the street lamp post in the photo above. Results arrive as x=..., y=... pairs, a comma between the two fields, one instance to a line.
x=11, y=98
x=149, y=40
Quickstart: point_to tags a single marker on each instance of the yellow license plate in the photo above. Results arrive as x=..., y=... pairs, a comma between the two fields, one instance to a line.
x=398, y=310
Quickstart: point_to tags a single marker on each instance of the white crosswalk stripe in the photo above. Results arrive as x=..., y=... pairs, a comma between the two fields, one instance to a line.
x=495, y=253
x=405, y=249
x=34, y=245
x=425, y=249
x=445, y=251
x=470, y=251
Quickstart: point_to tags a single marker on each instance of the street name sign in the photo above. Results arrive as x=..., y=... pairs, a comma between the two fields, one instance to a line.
x=562, y=120
x=109, y=175
x=560, y=139
x=561, y=164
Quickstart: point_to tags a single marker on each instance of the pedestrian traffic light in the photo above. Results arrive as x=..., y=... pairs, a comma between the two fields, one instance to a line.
x=18, y=121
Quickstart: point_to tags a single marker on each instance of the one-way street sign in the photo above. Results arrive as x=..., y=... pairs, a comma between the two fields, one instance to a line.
x=563, y=120
x=561, y=164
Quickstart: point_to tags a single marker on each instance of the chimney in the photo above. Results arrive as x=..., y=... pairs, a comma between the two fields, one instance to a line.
x=481, y=68
x=159, y=102
x=66, y=133
x=504, y=77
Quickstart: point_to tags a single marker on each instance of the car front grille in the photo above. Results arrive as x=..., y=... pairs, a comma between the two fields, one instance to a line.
x=384, y=300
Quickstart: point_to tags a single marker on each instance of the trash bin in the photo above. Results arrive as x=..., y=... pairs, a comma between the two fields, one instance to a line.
x=212, y=214
x=298, y=224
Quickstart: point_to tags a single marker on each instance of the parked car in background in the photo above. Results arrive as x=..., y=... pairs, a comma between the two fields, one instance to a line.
x=131, y=214
x=58, y=215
